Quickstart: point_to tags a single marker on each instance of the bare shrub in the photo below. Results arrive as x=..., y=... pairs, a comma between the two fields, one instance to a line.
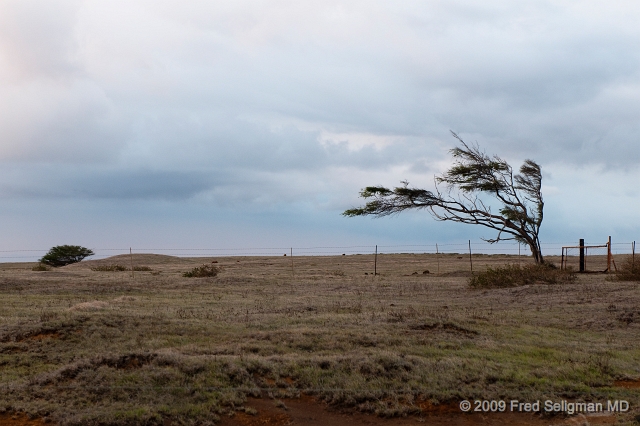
x=142, y=268
x=119, y=268
x=46, y=316
x=109, y=268
x=89, y=306
x=629, y=270
x=514, y=276
x=41, y=267
x=202, y=271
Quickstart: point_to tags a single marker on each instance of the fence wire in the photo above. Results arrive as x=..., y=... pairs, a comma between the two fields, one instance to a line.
x=477, y=247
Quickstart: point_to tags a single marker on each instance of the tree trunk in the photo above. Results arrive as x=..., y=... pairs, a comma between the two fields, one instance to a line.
x=536, y=251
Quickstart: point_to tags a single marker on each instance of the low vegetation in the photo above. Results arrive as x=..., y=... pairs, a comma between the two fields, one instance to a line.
x=110, y=268
x=202, y=272
x=41, y=267
x=82, y=348
x=629, y=270
x=516, y=275
x=119, y=268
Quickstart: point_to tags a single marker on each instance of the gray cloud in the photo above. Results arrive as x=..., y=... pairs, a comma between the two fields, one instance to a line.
x=89, y=183
x=292, y=103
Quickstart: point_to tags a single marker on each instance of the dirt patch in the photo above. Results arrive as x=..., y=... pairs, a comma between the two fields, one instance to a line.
x=20, y=419
x=265, y=418
x=308, y=411
x=627, y=384
x=32, y=336
x=44, y=335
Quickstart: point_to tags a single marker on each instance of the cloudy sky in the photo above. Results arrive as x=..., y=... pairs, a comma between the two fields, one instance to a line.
x=201, y=124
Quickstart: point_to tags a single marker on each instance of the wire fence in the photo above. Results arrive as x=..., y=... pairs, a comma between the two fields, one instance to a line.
x=476, y=247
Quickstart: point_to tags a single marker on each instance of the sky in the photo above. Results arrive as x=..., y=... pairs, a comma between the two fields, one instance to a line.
x=245, y=124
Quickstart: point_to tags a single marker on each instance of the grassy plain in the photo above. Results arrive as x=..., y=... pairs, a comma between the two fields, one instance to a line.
x=86, y=346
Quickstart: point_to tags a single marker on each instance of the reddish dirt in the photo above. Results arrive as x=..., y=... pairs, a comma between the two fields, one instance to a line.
x=627, y=384
x=19, y=419
x=45, y=335
x=307, y=411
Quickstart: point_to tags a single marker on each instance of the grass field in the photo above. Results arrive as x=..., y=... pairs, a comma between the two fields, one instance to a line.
x=85, y=346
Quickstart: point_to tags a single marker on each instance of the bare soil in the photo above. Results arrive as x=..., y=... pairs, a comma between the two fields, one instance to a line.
x=309, y=412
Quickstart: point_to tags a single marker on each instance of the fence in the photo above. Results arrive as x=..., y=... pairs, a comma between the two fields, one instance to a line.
x=462, y=248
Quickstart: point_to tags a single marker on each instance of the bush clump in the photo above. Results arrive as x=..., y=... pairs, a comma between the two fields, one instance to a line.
x=119, y=268
x=110, y=268
x=142, y=268
x=41, y=267
x=202, y=271
x=65, y=255
x=629, y=270
x=514, y=276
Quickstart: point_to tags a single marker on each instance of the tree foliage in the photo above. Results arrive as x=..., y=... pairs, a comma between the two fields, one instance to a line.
x=65, y=255
x=461, y=193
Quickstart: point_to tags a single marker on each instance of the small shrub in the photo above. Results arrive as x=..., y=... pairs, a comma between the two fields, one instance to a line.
x=48, y=316
x=119, y=268
x=202, y=271
x=514, y=276
x=109, y=268
x=629, y=270
x=142, y=268
x=65, y=255
x=41, y=267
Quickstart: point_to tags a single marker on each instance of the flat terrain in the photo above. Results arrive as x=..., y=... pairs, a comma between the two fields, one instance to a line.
x=309, y=340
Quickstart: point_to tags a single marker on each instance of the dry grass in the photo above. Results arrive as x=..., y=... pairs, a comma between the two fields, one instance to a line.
x=515, y=276
x=80, y=346
x=119, y=268
x=41, y=267
x=629, y=270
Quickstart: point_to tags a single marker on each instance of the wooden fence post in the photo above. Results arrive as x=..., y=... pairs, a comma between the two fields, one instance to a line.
x=375, y=262
x=131, y=258
x=609, y=255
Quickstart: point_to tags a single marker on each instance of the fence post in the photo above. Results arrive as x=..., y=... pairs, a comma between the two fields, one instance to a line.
x=609, y=255
x=581, y=244
x=633, y=256
x=375, y=262
x=438, y=258
x=131, y=258
x=470, y=260
x=291, y=253
x=520, y=258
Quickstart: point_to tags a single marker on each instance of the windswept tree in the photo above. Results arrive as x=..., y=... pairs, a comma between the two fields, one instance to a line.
x=478, y=190
x=65, y=255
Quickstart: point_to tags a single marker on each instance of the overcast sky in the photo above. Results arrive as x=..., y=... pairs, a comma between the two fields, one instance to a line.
x=237, y=124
